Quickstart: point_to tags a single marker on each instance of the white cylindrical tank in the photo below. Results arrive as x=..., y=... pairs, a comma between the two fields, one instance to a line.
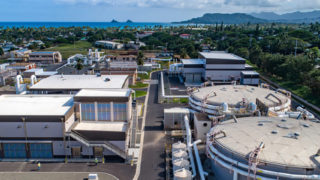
x=179, y=146
x=180, y=164
x=182, y=174
x=179, y=154
x=253, y=106
x=224, y=107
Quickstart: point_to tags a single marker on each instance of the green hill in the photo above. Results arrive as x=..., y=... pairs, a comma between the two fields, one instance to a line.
x=236, y=18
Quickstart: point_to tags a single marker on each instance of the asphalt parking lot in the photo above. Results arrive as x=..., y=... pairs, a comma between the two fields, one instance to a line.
x=119, y=170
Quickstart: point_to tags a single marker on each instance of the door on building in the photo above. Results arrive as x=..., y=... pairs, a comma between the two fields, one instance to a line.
x=197, y=78
x=98, y=151
x=189, y=78
x=14, y=150
x=76, y=152
x=40, y=150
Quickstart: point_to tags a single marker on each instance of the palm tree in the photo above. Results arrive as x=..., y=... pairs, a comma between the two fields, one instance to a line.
x=79, y=64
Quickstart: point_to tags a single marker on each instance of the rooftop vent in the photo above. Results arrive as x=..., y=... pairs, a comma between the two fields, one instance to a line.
x=274, y=132
x=306, y=125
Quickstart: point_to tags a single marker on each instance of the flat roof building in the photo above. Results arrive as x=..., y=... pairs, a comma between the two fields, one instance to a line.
x=222, y=66
x=92, y=123
x=67, y=84
x=109, y=44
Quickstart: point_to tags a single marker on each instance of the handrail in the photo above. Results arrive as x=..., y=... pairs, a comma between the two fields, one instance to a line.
x=105, y=144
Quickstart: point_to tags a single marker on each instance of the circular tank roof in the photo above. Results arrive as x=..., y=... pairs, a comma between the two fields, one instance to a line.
x=233, y=95
x=289, y=142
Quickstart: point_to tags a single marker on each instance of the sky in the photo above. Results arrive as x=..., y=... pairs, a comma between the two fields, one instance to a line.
x=140, y=10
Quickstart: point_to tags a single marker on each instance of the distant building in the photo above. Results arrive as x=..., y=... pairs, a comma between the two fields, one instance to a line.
x=215, y=66
x=20, y=67
x=71, y=84
x=109, y=44
x=222, y=66
x=122, y=68
x=128, y=57
x=45, y=58
x=39, y=73
x=193, y=70
x=35, y=42
x=21, y=55
x=144, y=34
x=185, y=36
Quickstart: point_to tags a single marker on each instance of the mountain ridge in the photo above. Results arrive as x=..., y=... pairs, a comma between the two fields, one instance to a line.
x=262, y=17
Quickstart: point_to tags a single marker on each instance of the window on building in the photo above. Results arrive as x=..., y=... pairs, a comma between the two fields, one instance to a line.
x=120, y=111
x=104, y=112
x=87, y=112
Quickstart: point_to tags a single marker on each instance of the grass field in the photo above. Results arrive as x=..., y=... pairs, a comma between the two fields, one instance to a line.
x=67, y=50
x=141, y=93
x=139, y=85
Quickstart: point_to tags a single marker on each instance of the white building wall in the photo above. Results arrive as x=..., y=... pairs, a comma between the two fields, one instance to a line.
x=222, y=75
x=37, y=129
x=58, y=148
x=69, y=122
x=11, y=129
x=225, y=66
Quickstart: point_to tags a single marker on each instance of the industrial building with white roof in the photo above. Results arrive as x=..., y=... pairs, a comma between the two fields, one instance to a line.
x=95, y=122
x=67, y=84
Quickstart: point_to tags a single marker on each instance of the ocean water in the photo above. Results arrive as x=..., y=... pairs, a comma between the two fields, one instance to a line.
x=88, y=24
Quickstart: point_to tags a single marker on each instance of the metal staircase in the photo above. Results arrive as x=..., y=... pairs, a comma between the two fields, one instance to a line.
x=115, y=149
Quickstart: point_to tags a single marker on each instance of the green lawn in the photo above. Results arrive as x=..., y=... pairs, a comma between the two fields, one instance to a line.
x=139, y=85
x=141, y=93
x=144, y=76
x=67, y=50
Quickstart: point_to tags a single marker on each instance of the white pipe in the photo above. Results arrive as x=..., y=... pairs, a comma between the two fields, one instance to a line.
x=278, y=174
x=234, y=169
x=189, y=145
x=200, y=168
x=33, y=79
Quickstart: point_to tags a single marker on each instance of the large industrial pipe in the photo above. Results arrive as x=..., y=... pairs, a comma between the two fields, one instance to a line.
x=33, y=79
x=200, y=168
x=189, y=145
x=273, y=173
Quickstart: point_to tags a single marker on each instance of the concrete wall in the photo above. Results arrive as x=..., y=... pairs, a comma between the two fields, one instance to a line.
x=11, y=129
x=58, y=148
x=222, y=75
x=34, y=129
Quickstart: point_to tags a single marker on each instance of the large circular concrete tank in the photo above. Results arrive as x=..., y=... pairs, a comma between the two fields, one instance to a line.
x=180, y=164
x=179, y=146
x=182, y=174
x=179, y=154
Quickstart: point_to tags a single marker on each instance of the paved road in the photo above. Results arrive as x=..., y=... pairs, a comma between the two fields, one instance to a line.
x=153, y=154
x=52, y=176
x=120, y=170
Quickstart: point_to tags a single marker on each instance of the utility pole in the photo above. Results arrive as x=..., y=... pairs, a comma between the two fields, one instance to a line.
x=295, y=48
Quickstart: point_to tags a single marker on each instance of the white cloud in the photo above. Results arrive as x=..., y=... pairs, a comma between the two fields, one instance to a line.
x=209, y=5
